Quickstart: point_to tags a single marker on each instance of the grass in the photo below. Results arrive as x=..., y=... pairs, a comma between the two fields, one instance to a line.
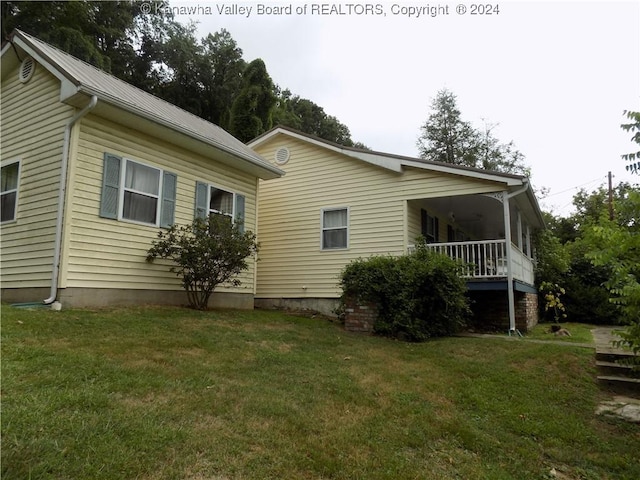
x=168, y=393
x=580, y=332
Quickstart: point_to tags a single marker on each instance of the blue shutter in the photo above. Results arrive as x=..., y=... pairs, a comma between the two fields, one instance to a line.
x=168, y=206
x=239, y=212
x=201, y=207
x=110, y=186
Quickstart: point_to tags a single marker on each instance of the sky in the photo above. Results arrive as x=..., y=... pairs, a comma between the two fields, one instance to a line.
x=553, y=77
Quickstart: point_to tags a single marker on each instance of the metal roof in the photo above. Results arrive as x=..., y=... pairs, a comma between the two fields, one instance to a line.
x=90, y=80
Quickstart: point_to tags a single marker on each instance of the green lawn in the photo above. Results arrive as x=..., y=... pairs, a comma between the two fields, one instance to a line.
x=168, y=393
x=580, y=332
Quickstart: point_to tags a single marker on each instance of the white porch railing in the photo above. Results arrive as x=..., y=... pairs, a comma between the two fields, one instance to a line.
x=487, y=259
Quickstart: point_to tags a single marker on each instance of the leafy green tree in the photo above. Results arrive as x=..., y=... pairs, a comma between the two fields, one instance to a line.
x=634, y=127
x=304, y=115
x=446, y=137
x=116, y=36
x=205, y=254
x=619, y=249
x=221, y=76
x=182, y=64
x=251, y=112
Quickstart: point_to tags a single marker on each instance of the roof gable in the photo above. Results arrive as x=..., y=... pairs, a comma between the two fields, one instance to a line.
x=396, y=163
x=79, y=80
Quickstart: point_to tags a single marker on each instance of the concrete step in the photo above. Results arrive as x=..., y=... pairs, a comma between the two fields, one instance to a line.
x=621, y=384
x=617, y=369
x=612, y=354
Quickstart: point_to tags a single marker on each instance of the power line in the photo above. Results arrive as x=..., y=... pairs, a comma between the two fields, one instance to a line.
x=572, y=188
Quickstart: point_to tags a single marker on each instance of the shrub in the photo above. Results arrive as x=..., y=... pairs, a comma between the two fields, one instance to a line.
x=418, y=296
x=206, y=253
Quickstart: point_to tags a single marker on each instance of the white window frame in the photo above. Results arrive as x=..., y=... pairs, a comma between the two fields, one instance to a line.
x=210, y=210
x=123, y=176
x=6, y=163
x=323, y=228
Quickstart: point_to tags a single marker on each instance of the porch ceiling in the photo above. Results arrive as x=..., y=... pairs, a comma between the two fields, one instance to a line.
x=481, y=215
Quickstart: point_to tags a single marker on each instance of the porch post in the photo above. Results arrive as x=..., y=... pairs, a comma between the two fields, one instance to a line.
x=528, y=241
x=507, y=239
x=519, y=229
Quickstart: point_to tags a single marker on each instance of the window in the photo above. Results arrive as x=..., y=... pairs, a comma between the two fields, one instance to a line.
x=137, y=192
x=429, y=227
x=211, y=199
x=335, y=228
x=140, y=193
x=9, y=176
x=221, y=202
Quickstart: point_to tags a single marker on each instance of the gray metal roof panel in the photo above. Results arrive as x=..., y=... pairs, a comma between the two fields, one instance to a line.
x=107, y=87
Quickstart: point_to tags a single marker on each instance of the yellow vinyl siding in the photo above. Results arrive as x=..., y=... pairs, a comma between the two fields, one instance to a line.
x=32, y=129
x=381, y=218
x=105, y=253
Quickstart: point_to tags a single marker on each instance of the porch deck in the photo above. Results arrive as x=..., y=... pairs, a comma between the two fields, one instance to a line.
x=487, y=259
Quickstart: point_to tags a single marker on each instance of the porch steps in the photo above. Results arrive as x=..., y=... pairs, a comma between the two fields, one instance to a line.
x=613, y=373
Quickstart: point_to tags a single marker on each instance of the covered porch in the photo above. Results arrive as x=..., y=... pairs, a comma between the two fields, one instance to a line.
x=490, y=234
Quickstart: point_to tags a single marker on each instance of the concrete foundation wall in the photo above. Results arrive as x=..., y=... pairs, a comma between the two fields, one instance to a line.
x=325, y=306
x=96, y=297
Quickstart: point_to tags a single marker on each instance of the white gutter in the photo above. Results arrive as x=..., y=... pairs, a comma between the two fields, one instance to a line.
x=64, y=168
x=507, y=237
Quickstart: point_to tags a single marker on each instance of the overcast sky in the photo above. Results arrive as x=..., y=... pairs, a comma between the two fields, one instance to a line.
x=554, y=76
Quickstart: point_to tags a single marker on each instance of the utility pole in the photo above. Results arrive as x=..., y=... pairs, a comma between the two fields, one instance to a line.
x=610, y=197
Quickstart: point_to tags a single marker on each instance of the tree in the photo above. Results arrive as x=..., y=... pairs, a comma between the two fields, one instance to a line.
x=221, y=76
x=182, y=64
x=445, y=137
x=207, y=253
x=619, y=248
x=252, y=108
x=118, y=36
x=634, y=128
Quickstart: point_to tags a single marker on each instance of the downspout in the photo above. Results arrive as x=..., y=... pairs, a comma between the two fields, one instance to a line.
x=507, y=237
x=64, y=168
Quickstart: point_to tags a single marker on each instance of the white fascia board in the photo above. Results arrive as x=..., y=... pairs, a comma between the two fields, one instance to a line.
x=490, y=176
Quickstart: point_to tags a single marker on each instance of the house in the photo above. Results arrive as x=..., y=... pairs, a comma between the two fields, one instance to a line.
x=337, y=204
x=92, y=168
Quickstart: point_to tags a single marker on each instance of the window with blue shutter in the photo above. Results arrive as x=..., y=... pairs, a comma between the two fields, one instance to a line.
x=109, y=201
x=201, y=207
x=133, y=191
x=168, y=207
x=239, y=212
x=211, y=199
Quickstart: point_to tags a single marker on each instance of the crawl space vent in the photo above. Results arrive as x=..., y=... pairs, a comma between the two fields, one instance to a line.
x=27, y=68
x=282, y=155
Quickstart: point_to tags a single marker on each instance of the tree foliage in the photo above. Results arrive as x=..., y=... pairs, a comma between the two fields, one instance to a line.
x=252, y=109
x=149, y=49
x=205, y=254
x=571, y=252
x=634, y=128
x=304, y=115
x=446, y=137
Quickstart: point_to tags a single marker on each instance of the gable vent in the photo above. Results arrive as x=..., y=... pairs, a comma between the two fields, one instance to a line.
x=27, y=68
x=282, y=155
